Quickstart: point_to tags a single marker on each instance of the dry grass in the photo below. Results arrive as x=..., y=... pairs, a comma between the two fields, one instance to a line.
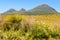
x=24, y=27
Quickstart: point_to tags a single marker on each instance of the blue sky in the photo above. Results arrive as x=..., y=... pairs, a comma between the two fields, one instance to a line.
x=27, y=4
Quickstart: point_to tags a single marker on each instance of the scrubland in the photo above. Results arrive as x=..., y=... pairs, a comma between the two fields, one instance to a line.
x=30, y=27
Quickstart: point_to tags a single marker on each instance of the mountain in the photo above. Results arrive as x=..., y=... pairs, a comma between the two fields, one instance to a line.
x=10, y=11
x=22, y=10
x=13, y=11
x=43, y=9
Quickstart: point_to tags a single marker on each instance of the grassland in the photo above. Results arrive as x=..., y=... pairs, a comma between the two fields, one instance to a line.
x=30, y=27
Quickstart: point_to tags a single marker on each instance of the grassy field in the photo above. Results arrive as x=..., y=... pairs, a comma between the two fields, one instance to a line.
x=30, y=27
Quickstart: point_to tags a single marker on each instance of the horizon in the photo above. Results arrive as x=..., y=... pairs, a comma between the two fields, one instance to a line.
x=27, y=4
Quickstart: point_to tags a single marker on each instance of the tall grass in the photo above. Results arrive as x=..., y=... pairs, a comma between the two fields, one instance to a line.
x=16, y=28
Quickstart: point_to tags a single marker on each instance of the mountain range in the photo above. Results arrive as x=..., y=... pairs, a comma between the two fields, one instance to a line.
x=41, y=9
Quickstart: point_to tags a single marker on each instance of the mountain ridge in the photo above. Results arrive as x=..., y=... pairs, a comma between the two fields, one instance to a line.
x=40, y=9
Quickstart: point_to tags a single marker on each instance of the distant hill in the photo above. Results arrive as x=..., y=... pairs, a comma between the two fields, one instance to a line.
x=10, y=10
x=22, y=10
x=41, y=9
x=13, y=11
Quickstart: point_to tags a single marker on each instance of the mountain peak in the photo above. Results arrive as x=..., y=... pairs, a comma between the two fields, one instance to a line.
x=22, y=10
x=43, y=9
x=10, y=10
x=43, y=5
x=47, y=7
